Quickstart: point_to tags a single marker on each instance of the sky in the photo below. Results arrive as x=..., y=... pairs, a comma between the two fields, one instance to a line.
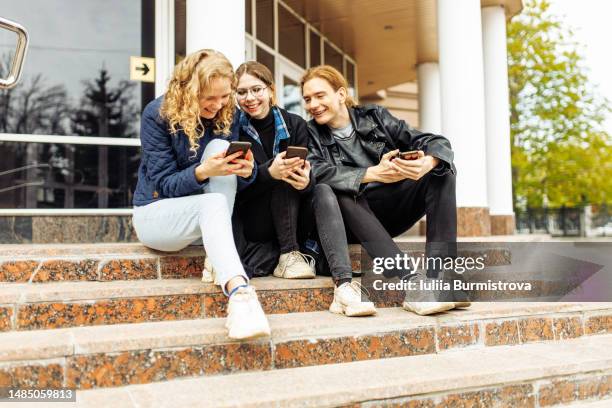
x=590, y=20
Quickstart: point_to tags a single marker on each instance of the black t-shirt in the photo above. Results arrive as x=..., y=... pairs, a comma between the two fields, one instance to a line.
x=350, y=146
x=266, y=131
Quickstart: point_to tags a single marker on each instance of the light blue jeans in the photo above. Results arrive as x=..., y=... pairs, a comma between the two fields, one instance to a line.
x=172, y=224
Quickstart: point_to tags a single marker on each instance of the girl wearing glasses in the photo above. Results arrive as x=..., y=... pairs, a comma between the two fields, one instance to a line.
x=284, y=201
x=266, y=220
x=187, y=185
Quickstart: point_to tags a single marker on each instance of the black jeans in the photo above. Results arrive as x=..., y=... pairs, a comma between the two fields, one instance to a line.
x=271, y=224
x=272, y=217
x=387, y=210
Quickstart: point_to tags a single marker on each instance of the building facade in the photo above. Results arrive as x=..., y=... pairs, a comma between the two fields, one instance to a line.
x=69, y=131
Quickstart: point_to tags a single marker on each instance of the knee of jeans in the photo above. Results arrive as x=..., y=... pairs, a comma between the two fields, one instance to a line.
x=324, y=195
x=448, y=180
x=213, y=202
x=215, y=146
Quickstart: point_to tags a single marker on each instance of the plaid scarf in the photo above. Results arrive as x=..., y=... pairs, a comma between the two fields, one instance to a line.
x=281, y=132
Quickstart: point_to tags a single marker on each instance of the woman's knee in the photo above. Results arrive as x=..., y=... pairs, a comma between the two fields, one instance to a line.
x=213, y=202
x=215, y=146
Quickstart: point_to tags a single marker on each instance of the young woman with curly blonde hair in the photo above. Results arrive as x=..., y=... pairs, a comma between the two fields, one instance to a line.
x=186, y=183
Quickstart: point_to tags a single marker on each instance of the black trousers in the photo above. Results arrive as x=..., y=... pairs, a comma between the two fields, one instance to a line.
x=387, y=210
x=270, y=224
x=265, y=226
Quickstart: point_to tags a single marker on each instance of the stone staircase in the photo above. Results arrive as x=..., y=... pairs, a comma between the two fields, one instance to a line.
x=129, y=326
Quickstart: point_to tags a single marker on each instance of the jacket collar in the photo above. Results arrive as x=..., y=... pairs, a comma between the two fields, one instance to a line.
x=281, y=133
x=361, y=121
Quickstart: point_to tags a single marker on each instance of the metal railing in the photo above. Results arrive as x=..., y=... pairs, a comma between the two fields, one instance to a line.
x=20, y=52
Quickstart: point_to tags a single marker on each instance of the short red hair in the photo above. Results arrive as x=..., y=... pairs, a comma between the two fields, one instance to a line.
x=333, y=78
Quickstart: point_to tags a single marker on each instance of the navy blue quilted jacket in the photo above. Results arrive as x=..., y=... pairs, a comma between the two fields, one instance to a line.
x=167, y=166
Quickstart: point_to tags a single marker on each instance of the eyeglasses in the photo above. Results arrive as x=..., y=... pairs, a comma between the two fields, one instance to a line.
x=256, y=91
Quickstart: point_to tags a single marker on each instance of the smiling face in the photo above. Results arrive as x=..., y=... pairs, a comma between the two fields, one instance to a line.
x=213, y=99
x=253, y=96
x=322, y=102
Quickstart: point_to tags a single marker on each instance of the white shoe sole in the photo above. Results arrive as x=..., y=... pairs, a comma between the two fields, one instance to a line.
x=363, y=310
x=303, y=275
x=250, y=332
x=437, y=308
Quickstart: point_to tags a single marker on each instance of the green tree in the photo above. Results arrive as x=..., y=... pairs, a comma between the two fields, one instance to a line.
x=560, y=154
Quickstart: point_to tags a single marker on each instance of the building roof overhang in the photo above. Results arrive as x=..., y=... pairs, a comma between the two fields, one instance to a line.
x=383, y=35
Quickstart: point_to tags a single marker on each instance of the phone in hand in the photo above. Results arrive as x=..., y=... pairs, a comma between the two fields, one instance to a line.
x=410, y=155
x=296, y=151
x=235, y=147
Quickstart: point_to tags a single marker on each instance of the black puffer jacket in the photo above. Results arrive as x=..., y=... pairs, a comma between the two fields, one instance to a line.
x=379, y=132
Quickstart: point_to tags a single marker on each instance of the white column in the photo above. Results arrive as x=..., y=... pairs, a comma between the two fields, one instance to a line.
x=497, y=109
x=218, y=25
x=164, y=44
x=462, y=96
x=429, y=97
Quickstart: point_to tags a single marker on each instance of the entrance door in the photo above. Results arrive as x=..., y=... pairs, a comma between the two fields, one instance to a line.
x=289, y=92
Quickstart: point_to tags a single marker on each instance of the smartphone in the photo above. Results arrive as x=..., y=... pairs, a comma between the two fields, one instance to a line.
x=296, y=151
x=411, y=155
x=235, y=147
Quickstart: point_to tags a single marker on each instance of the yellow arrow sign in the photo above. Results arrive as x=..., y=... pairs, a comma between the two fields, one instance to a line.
x=142, y=69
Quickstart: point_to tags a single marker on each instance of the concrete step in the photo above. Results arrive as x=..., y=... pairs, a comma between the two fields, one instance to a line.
x=539, y=374
x=106, y=356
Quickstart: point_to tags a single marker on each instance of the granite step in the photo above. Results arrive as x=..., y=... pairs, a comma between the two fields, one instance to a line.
x=538, y=374
x=68, y=304
x=606, y=403
x=133, y=261
x=115, y=355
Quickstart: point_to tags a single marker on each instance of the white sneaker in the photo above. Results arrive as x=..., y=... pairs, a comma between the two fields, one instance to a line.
x=245, y=317
x=425, y=302
x=295, y=265
x=208, y=273
x=349, y=300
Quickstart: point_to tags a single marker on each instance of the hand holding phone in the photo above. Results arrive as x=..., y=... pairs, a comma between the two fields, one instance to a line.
x=285, y=162
x=410, y=155
x=296, y=151
x=236, y=147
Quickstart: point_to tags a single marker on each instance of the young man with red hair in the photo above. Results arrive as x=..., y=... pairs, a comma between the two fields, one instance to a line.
x=354, y=150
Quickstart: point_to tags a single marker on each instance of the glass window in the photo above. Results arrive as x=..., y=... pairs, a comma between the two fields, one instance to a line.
x=292, y=96
x=248, y=14
x=315, y=49
x=266, y=58
x=350, y=73
x=291, y=36
x=248, y=50
x=297, y=6
x=265, y=21
x=333, y=57
x=46, y=175
x=180, y=30
x=78, y=59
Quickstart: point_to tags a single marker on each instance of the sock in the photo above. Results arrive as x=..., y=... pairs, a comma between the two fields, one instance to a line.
x=236, y=288
x=342, y=281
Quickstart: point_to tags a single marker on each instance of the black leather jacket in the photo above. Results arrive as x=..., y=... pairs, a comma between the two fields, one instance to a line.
x=379, y=132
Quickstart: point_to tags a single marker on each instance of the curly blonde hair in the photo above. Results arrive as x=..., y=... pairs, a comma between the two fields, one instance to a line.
x=190, y=79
